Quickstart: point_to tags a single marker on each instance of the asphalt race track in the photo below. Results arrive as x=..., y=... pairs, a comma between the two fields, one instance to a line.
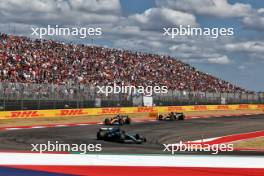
x=157, y=133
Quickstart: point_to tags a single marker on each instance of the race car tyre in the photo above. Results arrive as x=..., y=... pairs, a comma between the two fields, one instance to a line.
x=99, y=136
x=107, y=121
x=128, y=120
x=137, y=136
x=160, y=117
x=181, y=117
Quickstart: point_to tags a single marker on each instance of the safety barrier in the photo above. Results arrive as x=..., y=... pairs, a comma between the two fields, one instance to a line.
x=122, y=110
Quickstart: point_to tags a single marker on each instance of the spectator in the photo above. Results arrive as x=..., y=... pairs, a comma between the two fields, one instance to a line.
x=45, y=61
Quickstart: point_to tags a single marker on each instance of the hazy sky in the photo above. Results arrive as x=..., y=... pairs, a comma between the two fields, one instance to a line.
x=138, y=25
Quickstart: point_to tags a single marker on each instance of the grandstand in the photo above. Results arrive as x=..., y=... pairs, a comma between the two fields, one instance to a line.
x=45, y=61
x=53, y=71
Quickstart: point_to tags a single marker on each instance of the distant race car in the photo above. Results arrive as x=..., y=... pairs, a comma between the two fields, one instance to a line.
x=117, y=120
x=117, y=135
x=171, y=116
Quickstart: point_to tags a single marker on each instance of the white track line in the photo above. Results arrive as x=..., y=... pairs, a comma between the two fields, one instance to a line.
x=38, y=127
x=82, y=124
x=61, y=125
x=132, y=160
x=13, y=128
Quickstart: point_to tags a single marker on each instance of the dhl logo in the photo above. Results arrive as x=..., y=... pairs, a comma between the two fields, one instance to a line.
x=223, y=107
x=175, y=108
x=260, y=106
x=111, y=111
x=71, y=112
x=146, y=109
x=24, y=114
x=199, y=108
x=243, y=106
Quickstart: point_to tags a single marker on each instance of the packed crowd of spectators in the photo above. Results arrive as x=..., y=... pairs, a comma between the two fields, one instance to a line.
x=45, y=61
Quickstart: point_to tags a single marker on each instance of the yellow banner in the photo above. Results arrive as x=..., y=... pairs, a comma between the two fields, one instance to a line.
x=121, y=110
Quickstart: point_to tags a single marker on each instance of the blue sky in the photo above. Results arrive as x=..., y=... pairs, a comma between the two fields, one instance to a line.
x=136, y=6
x=250, y=77
x=137, y=25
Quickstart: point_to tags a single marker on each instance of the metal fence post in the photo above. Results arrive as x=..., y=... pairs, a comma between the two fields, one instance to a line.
x=4, y=95
x=22, y=100
x=38, y=88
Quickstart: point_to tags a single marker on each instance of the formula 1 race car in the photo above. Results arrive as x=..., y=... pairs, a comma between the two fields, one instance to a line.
x=117, y=135
x=117, y=120
x=171, y=116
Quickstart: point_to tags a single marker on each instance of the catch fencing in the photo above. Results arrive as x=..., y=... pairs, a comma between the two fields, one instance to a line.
x=22, y=96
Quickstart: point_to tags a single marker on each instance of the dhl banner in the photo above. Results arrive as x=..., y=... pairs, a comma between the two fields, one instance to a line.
x=122, y=110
